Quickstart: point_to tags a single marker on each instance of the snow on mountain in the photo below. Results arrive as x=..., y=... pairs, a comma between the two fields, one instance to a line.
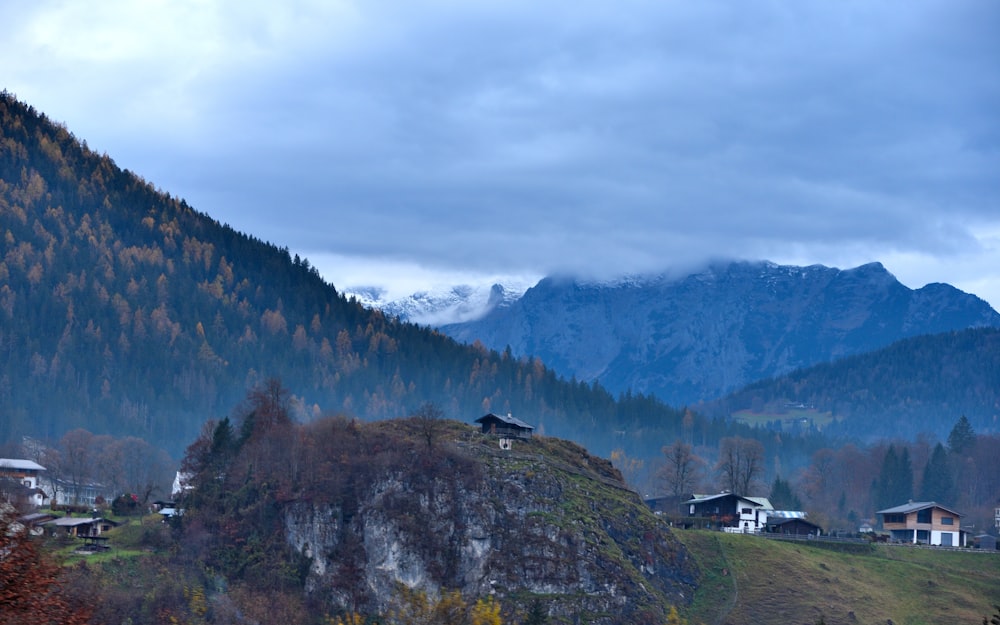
x=443, y=304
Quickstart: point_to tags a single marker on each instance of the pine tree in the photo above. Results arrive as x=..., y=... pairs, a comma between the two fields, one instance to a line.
x=782, y=497
x=962, y=436
x=895, y=482
x=937, y=484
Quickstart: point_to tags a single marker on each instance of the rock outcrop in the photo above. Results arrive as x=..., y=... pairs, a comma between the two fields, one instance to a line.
x=544, y=521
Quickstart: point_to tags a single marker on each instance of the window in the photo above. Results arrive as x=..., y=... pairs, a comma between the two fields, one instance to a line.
x=894, y=518
x=746, y=511
x=924, y=516
x=947, y=520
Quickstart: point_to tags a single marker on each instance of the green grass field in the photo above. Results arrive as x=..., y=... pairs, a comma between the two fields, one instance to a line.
x=815, y=418
x=748, y=579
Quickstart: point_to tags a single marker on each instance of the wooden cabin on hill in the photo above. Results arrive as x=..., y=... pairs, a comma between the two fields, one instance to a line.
x=506, y=429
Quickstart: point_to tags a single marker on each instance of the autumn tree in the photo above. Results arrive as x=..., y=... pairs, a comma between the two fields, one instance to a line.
x=427, y=422
x=740, y=465
x=414, y=607
x=681, y=470
x=76, y=460
x=30, y=586
x=131, y=465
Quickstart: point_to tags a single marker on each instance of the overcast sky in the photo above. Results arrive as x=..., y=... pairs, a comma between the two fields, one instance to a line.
x=402, y=142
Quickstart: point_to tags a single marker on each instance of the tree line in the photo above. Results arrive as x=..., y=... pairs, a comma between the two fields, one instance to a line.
x=845, y=486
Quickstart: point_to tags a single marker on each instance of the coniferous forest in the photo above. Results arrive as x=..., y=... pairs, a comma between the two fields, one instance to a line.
x=126, y=311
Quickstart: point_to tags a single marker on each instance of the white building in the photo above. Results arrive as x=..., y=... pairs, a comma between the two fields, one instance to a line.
x=25, y=473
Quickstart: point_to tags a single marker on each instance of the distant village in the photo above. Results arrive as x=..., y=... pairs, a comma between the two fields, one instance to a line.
x=55, y=505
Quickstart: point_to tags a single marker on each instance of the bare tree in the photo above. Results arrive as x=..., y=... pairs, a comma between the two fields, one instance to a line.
x=427, y=423
x=741, y=463
x=76, y=460
x=134, y=466
x=681, y=469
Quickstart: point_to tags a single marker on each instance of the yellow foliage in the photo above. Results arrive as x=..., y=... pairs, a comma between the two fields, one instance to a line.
x=486, y=612
x=673, y=618
x=348, y=619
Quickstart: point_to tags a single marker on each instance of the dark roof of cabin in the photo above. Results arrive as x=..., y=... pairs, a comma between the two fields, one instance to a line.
x=705, y=498
x=786, y=520
x=509, y=420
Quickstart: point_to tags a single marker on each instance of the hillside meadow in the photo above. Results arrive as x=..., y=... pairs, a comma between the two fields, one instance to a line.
x=748, y=579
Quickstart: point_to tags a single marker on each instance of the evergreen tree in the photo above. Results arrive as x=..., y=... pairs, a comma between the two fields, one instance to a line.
x=962, y=436
x=937, y=484
x=536, y=614
x=782, y=497
x=895, y=482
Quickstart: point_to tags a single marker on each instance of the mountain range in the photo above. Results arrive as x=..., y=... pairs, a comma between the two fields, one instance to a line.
x=699, y=337
x=126, y=311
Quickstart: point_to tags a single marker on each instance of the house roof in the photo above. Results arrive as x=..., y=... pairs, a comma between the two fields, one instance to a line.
x=72, y=521
x=786, y=514
x=784, y=521
x=17, y=463
x=761, y=502
x=914, y=506
x=509, y=420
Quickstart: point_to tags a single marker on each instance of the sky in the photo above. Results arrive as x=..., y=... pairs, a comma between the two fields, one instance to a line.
x=407, y=143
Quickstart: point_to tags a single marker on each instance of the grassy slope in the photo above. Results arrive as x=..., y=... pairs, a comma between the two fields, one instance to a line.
x=777, y=582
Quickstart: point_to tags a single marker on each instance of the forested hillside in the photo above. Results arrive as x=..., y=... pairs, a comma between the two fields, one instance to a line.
x=123, y=310
x=916, y=385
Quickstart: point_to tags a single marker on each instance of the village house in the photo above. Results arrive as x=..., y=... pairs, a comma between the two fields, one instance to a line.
x=25, y=475
x=734, y=513
x=924, y=522
x=36, y=521
x=506, y=428
x=65, y=493
x=81, y=527
x=791, y=523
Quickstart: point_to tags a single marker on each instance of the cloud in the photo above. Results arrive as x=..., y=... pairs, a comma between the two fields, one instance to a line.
x=537, y=137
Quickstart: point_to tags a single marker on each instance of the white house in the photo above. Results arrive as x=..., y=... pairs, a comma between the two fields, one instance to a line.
x=736, y=513
x=25, y=473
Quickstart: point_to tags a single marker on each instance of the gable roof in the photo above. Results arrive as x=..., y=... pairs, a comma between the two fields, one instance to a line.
x=754, y=500
x=509, y=420
x=786, y=514
x=23, y=465
x=778, y=522
x=914, y=506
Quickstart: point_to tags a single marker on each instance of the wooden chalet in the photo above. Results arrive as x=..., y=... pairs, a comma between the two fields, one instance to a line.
x=505, y=427
x=731, y=512
x=791, y=523
x=924, y=522
x=82, y=527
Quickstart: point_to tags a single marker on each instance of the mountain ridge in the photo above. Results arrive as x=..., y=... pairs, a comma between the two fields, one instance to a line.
x=700, y=336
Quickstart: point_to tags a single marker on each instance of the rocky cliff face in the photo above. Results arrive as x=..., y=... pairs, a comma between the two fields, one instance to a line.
x=544, y=520
x=700, y=336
